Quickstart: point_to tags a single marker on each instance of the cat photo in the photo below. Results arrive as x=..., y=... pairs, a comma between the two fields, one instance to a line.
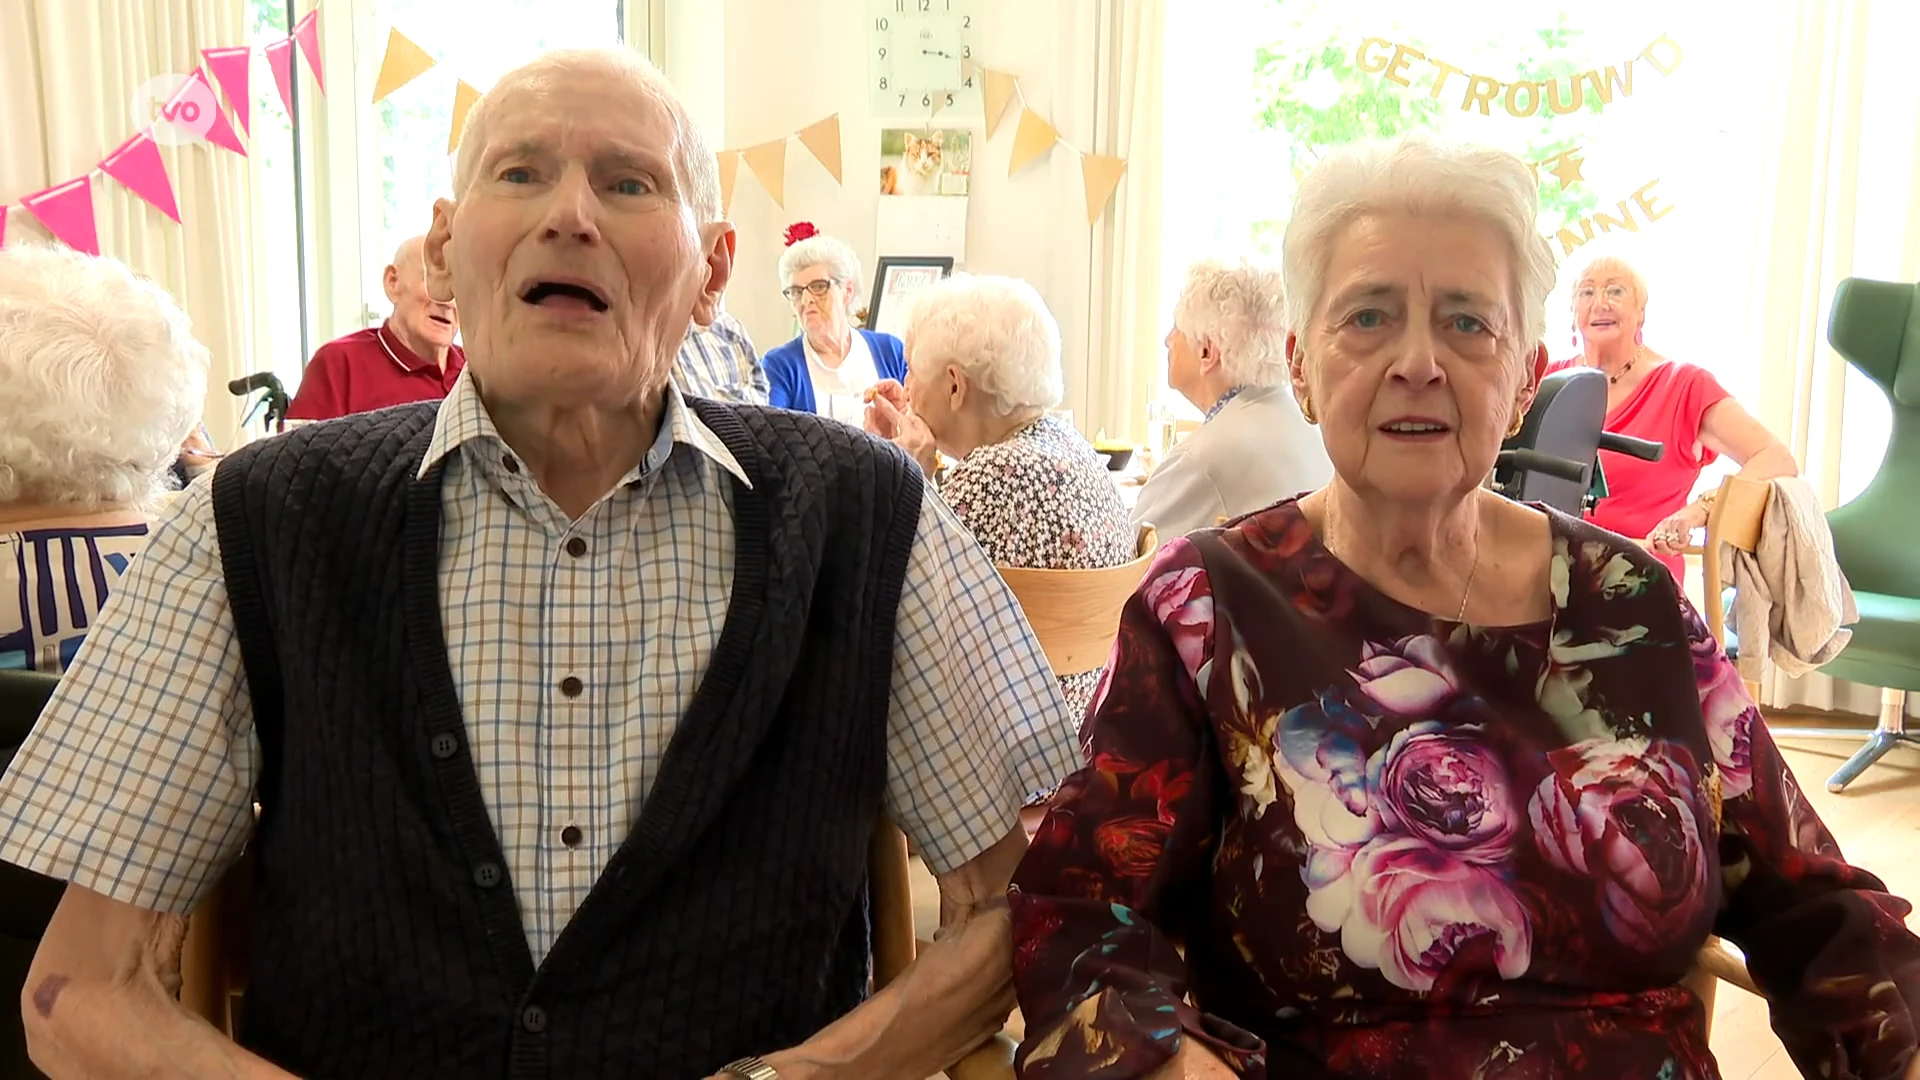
x=935, y=161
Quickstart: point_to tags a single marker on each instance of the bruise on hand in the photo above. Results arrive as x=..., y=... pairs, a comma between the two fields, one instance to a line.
x=47, y=993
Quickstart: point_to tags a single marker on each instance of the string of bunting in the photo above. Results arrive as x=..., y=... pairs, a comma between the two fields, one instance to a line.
x=66, y=208
x=1034, y=138
x=768, y=160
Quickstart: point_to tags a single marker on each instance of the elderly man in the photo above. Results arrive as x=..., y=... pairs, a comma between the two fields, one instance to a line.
x=410, y=357
x=569, y=705
x=1226, y=354
x=719, y=362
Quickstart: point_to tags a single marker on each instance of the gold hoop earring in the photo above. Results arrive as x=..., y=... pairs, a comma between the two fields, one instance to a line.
x=1519, y=421
x=1306, y=409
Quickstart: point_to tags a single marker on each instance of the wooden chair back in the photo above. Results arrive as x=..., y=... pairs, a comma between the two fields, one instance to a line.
x=1734, y=522
x=1076, y=613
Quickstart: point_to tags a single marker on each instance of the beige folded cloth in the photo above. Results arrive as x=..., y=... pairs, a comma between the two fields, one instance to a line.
x=1791, y=602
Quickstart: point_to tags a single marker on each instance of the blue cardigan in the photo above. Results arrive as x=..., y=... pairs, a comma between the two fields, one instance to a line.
x=791, y=387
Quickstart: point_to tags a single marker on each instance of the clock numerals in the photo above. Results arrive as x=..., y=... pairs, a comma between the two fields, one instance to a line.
x=918, y=52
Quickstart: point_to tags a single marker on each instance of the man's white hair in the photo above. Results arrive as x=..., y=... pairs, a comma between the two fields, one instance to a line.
x=1422, y=176
x=996, y=329
x=693, y=156
x=100, y=380
x=821, y=250
x=1239, y=308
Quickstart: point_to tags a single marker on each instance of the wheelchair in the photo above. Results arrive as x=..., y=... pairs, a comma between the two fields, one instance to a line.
x=1554, y=459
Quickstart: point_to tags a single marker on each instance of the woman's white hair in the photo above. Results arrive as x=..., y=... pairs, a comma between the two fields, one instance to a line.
x=996, y=329
x=1241, y=309
x=821, y=250
x=1421, y=176
x=693, y=156
x=100, y=380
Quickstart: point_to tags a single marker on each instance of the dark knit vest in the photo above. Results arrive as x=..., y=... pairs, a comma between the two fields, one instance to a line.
x=732, y=921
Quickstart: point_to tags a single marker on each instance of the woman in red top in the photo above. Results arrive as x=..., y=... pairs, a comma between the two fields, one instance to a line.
x=1665, y=401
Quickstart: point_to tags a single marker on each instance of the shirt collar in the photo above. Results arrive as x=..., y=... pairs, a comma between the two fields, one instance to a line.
x=463, y=419
x=1214, y=410
x=396, y=350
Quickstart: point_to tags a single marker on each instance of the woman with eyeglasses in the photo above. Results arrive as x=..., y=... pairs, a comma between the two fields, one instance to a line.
x=828, y=368
x=1666, y=401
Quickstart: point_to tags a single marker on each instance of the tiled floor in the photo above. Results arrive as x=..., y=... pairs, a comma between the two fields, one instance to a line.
x=1877, y=822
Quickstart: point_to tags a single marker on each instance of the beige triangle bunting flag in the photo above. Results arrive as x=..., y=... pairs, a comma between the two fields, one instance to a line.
x=1102, y=174
x=996, y=92
x=823, y=140
x=769, y=164
x=1032, y=141
x=464, y=99
x=729, y=172
x=403, y=63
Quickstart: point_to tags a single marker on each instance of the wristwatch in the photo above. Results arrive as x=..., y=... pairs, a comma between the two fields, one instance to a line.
x=751, y=1068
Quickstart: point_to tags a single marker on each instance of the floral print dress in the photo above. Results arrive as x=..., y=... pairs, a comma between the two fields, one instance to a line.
x=1329, y=835
x=1041, y=498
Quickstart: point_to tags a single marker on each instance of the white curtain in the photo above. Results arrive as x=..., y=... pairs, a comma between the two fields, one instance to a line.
x=69, y=81
x=1123, y=347
x=1840, y=197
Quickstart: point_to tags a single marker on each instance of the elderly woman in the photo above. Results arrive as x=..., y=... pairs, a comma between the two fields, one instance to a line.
x=100, y=383
x=1666, y=401
x=1402, y=779
x=830, y=366
x=983, y=368
x=1226, y=354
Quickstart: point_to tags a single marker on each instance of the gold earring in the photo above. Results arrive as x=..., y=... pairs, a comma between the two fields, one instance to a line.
x=1519, y=421
x=1306, y=409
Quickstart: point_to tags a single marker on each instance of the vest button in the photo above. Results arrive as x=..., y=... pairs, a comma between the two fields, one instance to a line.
x=444, y=746
x=534, y=1019
x=571, y=686
x=576, y=547
x=487, y=875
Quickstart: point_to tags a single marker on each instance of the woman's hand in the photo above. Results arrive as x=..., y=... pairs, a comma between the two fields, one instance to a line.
x=1671, y=536
x=889, y=417
x=1196, y=1062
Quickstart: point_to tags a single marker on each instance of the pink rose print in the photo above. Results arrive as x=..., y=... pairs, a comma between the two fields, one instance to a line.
x=1182, y=602
x=1626, y=814
x=1410, y=677
x=1729, y=715
x=1418, y=907
x=1447, y=788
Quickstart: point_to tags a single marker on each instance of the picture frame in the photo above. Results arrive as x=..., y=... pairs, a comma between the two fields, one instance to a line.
x=897, y=277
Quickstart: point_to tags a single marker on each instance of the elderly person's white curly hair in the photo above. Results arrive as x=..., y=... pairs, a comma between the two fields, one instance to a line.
x=996, y=329
x=1241, y=309
x=821, y=250
x=100, y=381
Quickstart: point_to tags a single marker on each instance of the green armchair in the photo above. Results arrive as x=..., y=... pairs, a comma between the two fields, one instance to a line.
x=1875, y=325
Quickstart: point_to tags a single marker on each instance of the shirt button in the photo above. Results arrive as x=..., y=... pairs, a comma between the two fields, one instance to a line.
x=576, y=547
x=570, y=836
x=510, y=463
x=444, y=746
x=487, y=875
x=571, y=686
x=534, y=1019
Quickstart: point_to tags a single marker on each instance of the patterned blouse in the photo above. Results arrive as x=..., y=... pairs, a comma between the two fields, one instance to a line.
x=1042, y=498
x=1399, y=846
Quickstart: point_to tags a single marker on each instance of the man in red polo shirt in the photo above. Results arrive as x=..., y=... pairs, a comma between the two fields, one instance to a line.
x=411, y=357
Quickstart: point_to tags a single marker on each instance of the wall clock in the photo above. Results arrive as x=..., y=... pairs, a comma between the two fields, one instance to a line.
x=915, y=55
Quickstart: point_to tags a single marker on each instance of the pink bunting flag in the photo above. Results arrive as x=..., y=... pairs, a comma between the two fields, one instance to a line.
x=217, y=130
x=137, y=165
x=67, y=212
x=3, y=226
x=233, y=68
x=280, y=59
x=307, y=33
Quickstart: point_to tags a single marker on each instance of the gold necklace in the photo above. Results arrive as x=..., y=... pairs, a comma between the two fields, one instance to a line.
x=1614, y=379
x=1473, y=569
